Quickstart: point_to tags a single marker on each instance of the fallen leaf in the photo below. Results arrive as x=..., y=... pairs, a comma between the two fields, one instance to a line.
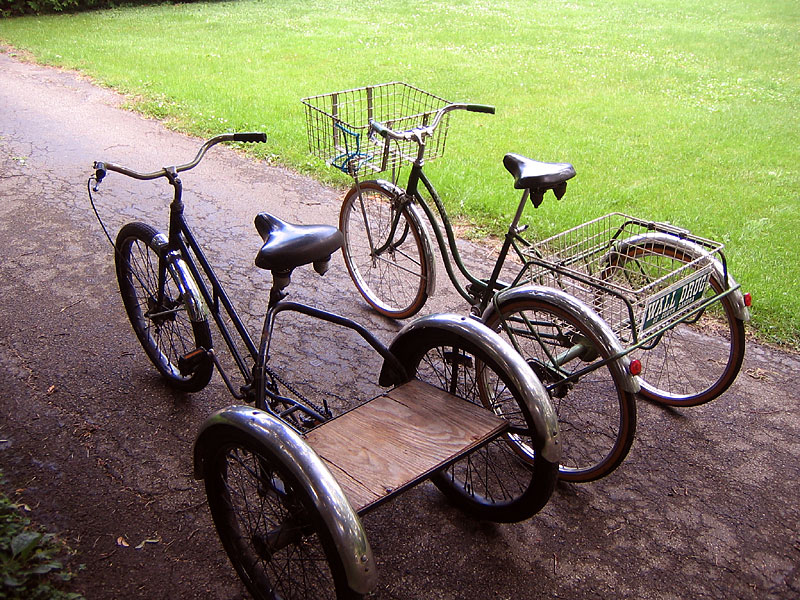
x=759, y=374
x=121, y=541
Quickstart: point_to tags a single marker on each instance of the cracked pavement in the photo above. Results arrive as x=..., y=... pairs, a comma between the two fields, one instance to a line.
x=705, y=506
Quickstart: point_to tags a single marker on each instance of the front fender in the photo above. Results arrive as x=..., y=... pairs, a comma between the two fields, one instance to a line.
x=533, y=392
x=182, y=276
x=417, y=217
x=307, y=467
x=189, y=290
x=584, y=313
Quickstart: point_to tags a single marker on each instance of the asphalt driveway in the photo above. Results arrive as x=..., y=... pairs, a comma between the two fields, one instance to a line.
x=706, y=505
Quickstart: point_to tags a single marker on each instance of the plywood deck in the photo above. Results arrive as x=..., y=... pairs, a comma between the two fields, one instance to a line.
x=398, y=439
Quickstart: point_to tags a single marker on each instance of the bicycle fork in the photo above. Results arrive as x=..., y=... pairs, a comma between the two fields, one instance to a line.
x=391, y=244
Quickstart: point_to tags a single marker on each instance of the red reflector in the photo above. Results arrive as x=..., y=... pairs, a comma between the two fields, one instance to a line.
x=636, y=367
x=748, y=301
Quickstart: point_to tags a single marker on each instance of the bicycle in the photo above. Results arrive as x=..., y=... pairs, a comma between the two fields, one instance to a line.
x=286, y=479
x=597, y=311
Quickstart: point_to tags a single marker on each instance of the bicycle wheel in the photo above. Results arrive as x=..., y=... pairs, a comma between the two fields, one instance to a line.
x=596, y=415
x=163, y=327
x=698, y=359
x=383, y=251
x=492, y=482
x=274, y=536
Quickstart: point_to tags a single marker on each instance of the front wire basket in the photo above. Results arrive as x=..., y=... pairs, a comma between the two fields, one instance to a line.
x=617, y=265
x=338, y=126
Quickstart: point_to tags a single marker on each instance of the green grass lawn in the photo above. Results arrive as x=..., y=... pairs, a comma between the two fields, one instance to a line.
x=679, y=110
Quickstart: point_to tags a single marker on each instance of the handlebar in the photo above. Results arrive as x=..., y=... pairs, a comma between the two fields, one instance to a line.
x=419, y=133
x=102, y=168
x=481, y=108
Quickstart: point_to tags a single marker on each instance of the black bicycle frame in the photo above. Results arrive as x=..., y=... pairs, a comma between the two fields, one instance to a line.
x=479, y=291
x=182, y=239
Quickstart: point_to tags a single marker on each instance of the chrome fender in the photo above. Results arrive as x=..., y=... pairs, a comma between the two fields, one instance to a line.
x=182, y=277
x=307, y=467
x=417, y=218
x=696, y=251
x=537, y=400
x=195, y=305
x=582, y=312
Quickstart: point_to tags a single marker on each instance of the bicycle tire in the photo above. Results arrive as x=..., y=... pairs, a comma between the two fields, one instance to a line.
x=492, y=482
x=395, y=282
x=718, y=338
x=596, y=414
x=168, y=337
x=275, y=538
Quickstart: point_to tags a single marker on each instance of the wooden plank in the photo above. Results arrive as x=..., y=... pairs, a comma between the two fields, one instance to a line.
x=398, y=439
x=358, y=494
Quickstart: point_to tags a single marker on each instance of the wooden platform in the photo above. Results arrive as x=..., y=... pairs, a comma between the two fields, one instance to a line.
x=399, y=439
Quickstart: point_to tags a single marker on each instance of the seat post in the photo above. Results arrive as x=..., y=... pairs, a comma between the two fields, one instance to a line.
x=280, y=281
x=513, y=230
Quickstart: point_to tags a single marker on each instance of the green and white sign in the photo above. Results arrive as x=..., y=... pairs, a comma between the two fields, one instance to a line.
x=675, y=298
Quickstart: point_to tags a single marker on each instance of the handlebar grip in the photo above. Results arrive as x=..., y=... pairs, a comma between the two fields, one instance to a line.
x=378, y=128
x=99, y=171
x=253, y=137
x=481, y=108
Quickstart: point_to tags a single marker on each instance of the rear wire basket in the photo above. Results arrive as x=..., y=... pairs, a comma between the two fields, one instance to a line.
x=616, y=265
x=338, y=126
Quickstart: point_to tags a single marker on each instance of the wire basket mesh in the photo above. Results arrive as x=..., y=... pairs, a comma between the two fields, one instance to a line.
x=338, y=126
x=638, y=275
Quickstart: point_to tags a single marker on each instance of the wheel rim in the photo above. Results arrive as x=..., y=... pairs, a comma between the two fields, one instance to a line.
x=596, y=417
x=267, y=529
x=393, y=281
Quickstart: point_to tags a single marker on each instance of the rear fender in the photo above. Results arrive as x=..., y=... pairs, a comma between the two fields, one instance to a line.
x=546, y=437
x=695, y=251
x=582, y=312
x=307, y=467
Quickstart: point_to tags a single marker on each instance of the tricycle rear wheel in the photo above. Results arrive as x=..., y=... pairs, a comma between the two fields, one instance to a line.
x=695, y=361
x=596, y=414
x=492, y=482
x=274, y=536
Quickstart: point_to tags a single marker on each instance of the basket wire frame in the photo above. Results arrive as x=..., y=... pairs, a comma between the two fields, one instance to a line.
x=588, y=262
x=338, y=130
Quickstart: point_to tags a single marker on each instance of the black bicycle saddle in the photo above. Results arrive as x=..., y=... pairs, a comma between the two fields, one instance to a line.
x=532, y=174
x=287, y=246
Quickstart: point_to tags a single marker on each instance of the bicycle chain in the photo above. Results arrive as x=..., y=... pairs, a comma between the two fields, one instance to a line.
x=319, y=409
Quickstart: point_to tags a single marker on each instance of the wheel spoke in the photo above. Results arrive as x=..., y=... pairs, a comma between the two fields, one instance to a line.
x=383, y=251
x=163, y=328
x=596, y=415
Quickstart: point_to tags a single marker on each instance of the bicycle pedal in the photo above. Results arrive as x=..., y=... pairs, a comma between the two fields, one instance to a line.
x=188, y=363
